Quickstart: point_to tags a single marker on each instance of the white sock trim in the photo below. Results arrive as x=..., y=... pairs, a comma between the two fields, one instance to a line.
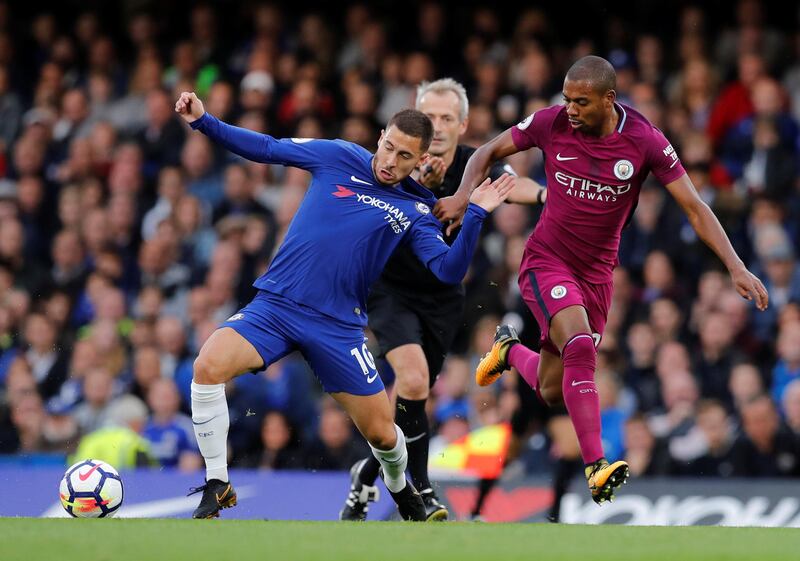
x=579, y=336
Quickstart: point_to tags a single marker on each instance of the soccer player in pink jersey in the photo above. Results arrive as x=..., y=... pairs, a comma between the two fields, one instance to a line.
x=597, y=154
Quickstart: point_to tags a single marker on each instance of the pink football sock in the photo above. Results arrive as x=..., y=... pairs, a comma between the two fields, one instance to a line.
x=580, y=394
x=527, y=363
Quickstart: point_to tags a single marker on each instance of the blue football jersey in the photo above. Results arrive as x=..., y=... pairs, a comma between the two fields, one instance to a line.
x=348, y=224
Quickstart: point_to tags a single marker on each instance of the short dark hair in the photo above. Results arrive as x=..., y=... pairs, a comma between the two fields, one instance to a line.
x=414, y=123
x=595, y=70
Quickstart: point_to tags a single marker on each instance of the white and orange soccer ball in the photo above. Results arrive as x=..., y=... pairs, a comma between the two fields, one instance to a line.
x=91, y=489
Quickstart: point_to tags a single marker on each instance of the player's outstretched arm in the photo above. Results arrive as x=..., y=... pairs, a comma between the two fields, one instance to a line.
x=451, y=209
x=710, y=231
x=450, y=263
x=302, y=153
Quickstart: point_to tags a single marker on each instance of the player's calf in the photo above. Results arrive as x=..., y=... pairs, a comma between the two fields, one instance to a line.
x=551, y=394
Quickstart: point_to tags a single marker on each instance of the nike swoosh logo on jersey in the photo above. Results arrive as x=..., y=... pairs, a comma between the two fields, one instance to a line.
x=354, y=179
x=415, y=438
x=85, y=476
x=561, y=158
x=371, y=379
x=574, y=383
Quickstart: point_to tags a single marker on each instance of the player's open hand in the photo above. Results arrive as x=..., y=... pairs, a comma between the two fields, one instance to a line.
x=491, y=194
x=750, y=287
x=189, y=107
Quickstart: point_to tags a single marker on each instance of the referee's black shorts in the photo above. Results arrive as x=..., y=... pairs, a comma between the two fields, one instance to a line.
x=430, y=320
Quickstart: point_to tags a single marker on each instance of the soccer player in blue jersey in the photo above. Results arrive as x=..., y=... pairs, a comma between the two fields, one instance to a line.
x=359, y=208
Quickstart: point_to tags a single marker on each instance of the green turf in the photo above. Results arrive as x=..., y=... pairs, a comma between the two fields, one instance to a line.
x=28, y=539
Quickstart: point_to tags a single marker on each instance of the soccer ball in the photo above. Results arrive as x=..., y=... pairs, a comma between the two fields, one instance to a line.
x=91, y=489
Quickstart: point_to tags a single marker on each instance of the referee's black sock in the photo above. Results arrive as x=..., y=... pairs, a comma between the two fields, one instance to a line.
x=410, y=416
x=369, y=471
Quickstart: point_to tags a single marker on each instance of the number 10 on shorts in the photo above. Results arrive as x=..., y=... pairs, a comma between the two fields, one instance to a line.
x=365, y=361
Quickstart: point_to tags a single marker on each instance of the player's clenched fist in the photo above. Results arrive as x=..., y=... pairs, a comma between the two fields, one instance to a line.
x=189, y=107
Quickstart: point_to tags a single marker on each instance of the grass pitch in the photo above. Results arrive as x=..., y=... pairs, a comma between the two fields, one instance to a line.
x=31, y=539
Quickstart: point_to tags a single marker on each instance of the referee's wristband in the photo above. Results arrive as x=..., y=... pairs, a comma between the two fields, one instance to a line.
x=539, y=196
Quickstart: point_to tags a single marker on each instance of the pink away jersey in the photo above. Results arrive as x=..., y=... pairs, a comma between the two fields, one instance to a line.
x=593, y=185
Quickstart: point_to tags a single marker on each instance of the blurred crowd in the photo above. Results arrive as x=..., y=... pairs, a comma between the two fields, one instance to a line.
x=125, y=238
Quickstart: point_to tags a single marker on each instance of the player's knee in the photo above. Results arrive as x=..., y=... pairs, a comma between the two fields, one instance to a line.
x=580, y=352
x=382, y=437
x=412, y=384
x=207, y=370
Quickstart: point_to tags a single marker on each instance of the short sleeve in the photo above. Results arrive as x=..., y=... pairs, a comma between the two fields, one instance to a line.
x=662, y=158
x=535, y=130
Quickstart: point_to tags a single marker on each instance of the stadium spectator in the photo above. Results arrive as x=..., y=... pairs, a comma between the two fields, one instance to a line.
x=680, y=394
x=640, y=374
x=715, y=430
x=787, y=369
x=767, y=448
x=280, y=442
x=715, y=357
x=769, y=126
x=791, y=406
x=169, y=432
x=745, y=383
x=334, y=448
x=48, y=364
x=646, y=454
x=100, y=408
x=776, y=254
x=163, y=136
x=146, y=370
x=612, y=412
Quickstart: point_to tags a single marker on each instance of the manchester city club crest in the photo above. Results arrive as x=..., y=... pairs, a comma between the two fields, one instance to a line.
x=623, y=169
x=558, y=292
x=423, y=208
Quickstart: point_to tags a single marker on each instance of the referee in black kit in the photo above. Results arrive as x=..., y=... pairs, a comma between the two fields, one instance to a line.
x=413, y=315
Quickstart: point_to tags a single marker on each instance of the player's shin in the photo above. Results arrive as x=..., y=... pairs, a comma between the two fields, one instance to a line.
x=526, y=362
x=413, y=421
x=211, y=421
x=580, y=394
x=393, y=463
